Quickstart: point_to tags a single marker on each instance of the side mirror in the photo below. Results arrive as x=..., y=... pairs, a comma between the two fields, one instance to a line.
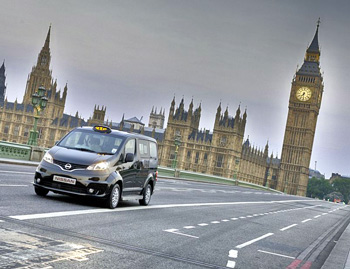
x=129, y=157
x=56, y=142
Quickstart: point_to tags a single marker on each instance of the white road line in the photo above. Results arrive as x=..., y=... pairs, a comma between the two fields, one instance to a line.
x=233, y=253
x=8, y=185
x=215, y=222
x=317, y=216
x=234, y=218
x=306, y=220
x=242, y=217
x=189, y=227
x=254, y=240
x=249, y=216
x=225, y=220
x=231, y=264
x=203, y=224
x=276, y=254
x=324, y=214
x=101, y=210
x=288, y=227
x=174, y=231
x=1, y=220
x=15, y=172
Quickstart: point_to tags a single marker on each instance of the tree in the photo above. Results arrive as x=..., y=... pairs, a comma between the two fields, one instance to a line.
x=318, y=188
x=342, y=185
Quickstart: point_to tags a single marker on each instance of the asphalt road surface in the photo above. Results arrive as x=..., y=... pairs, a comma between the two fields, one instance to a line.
x=186, y=225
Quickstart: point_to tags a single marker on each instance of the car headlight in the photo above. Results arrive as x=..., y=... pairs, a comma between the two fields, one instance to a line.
x=48, y=158
x=98, y=166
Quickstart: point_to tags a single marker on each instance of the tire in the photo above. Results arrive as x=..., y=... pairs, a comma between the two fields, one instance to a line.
x=40, y=191
x=147, y=194
x=114, y=197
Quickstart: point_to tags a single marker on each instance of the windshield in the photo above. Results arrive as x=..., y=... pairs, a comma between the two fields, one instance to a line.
x=89, y=140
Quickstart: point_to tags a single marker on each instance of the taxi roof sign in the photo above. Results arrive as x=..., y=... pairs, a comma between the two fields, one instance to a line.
x=102, y=129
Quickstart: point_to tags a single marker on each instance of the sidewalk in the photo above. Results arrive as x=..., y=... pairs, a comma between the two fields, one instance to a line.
x=339, y=258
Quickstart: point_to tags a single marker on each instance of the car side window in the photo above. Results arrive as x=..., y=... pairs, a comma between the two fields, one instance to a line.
x=144, y=148
x=130, y=146
x=153, y=150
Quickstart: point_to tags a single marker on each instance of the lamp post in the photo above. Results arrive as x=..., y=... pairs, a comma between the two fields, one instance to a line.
x=177, y=143
x=39, y=102
x=267, y=178
x=236, y=171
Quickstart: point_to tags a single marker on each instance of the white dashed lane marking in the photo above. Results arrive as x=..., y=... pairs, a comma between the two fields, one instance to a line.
x=306, y=220
x=255, y=215
x=231, y=264
x=189, y=227
x=288, y=227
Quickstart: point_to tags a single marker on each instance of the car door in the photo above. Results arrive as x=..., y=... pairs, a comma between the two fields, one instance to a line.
x=129, y=170
x=144, y=153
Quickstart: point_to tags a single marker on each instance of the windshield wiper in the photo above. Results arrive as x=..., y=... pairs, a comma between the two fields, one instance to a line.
x=105, y=153
x=85, y=149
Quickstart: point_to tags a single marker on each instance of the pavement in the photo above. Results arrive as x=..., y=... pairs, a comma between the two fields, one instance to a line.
x=339, y=258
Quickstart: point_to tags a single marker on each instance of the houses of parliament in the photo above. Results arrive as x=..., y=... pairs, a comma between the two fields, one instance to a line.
x=221, y=152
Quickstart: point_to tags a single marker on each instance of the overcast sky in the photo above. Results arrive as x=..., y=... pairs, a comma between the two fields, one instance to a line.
x=132, y=55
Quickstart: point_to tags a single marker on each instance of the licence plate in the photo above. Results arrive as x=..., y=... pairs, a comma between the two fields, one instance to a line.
x=64, y=180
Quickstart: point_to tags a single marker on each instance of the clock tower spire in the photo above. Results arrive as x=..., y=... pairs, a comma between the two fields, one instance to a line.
x=304, y=106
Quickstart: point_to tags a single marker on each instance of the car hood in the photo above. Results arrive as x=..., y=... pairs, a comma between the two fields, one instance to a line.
x=77, y=156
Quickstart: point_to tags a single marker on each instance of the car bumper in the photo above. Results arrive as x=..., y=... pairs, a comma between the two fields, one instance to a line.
x=87, y=183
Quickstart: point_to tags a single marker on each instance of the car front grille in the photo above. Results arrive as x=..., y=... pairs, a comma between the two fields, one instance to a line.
x=73, y=165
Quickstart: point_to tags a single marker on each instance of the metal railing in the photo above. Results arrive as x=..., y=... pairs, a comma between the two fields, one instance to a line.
x=15, y=151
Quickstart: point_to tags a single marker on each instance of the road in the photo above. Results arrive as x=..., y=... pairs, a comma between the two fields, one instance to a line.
x=186, y=225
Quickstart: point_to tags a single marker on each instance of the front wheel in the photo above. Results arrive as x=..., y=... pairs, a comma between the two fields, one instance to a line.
x=147, y=194
x=40, y=191
x=114, y=197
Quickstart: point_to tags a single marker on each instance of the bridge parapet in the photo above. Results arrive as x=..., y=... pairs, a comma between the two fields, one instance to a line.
x=10, y=150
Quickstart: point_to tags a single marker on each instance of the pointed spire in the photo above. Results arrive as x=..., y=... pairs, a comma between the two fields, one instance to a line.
x=266, y=151
x=314, y=47
x=2, y=68
x=152, y=109
x=238, y=112
x=218, y=111
x=226, y=113
x=47, y=41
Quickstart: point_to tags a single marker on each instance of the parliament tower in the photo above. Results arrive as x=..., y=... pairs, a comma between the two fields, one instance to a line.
x=304, y=106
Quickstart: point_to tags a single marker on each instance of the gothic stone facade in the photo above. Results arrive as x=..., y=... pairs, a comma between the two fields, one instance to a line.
x=221, y=152
x=16, y=119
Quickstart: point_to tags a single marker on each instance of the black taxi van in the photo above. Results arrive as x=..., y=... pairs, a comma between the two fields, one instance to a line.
x=100, y=162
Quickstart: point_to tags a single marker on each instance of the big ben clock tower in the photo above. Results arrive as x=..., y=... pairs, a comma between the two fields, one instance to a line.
x=304, y=106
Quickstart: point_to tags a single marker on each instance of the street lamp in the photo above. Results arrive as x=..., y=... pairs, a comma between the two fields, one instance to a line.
x=39, y=102
x=267, y=178
x=177, y=142
x=236, y=171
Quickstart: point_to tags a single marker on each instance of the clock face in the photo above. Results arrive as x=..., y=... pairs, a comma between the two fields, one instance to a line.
x=303, y=94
